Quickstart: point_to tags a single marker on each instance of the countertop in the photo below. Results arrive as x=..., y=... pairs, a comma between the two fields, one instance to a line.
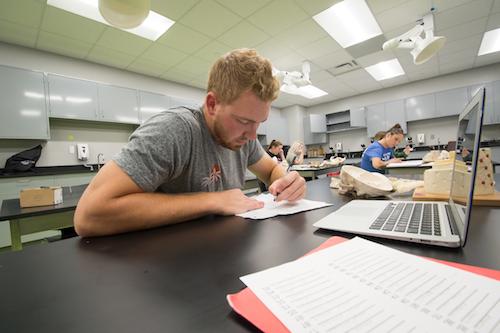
x=49, y=171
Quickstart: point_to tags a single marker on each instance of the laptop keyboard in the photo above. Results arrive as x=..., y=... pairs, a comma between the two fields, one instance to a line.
x=414, y=218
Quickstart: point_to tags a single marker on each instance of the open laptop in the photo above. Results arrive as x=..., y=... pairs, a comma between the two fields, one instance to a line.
x=438, y=223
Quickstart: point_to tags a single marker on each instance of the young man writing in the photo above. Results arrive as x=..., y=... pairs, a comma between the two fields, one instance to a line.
x=186, y=163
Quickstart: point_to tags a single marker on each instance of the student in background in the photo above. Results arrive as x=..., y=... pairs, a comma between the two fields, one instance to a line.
x=381, y=152
x=187, y=162
x=275, y=150
x=295, y=154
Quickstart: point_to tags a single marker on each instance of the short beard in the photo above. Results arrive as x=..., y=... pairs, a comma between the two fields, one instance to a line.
x=219, y=137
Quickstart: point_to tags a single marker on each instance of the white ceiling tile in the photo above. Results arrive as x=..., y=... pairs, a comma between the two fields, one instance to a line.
x=462, y=31
x=278, y=16
x=163, y=55
x=465, y=13
x=442, y=5
x=24, y=12
x=109, y=57
x=123, y=41
x=316, y=6
x=291, y=60
x=378, y=6
x=465, y=55
x=184, y=39
x=17, y=34
x=173, y=9
x=493, y=22
x=273, y=49
x=398, y=80
x=471, y=42
x=375, y=58
x=64, y=23
x=496, y=6
x=402, y=15
x=176, y=75
x=243, y=8
x=212, y=51
x=332, y=59
x=243, y=34
x=318, y=48
x=194, y=65
x=146, y=67
x=320, y=76
x=62, y=45
x=303, y=33
x=454, y=67
x=409, y=67
x=210, y=18
x=416, y=76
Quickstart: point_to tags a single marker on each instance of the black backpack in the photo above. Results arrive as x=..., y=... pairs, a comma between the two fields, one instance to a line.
x=24, y=160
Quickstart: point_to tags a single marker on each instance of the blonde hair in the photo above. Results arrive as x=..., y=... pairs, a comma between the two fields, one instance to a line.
x=241, y=70
x=297, y=148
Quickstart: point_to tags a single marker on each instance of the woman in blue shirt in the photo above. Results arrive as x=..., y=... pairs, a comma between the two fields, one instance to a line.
x=380, y=153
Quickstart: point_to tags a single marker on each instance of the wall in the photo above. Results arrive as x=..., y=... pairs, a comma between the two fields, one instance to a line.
x=294, y=116
x=444, y=126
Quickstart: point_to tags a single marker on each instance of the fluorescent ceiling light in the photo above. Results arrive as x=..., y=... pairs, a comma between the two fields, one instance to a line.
x=308, y=91
x=349, y=22
x=152, y=28
x=490, y=42
x=385, y=70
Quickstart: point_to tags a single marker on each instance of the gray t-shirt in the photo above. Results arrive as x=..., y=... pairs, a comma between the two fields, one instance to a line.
x=174, y=152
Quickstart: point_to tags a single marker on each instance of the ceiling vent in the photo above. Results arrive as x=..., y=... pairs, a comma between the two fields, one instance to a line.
x=343, y=68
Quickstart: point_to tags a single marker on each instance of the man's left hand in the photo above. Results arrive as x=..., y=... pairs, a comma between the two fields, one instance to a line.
x=291, y=187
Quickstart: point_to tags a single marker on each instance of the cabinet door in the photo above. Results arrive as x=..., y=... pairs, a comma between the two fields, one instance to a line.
x=451, y=102
x=318, y=123
x=178, y=101
x=72, y=98
x=151, y=104
x=489, y=109
x=495, y=97
x=312, y=138
x=420, y=107
x=23, y=112
x=357, y=117
x=118, y=104
x=375, y=119
x=395, y=114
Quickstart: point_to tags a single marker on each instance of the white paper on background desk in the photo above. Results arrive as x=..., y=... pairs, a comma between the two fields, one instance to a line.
x=362, y=286
x=273, y=208
x=406, y=164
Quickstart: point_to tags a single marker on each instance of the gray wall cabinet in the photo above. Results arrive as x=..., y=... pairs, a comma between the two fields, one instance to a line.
x=310, y=137
x=117, y=104
x=420, y=107
x=72, y=98
x=381, y=117
x=358, y=117
x=375, y=119
x=23, y=113
x=495, y=107
x=451, y=102
x=317, y=123
x=151, y=104
x=395, y=114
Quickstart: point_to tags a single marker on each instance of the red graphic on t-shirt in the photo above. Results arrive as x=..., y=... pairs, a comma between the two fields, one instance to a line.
x=214, y=176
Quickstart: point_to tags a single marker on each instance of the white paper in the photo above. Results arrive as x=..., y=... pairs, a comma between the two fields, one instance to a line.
x=405, y=164
x=362, y=286
x=273, y=208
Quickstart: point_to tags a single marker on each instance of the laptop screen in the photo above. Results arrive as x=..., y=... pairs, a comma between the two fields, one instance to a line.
x=465, y=163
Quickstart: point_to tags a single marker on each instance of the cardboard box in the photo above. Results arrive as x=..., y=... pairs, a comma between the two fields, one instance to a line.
x=40, y=196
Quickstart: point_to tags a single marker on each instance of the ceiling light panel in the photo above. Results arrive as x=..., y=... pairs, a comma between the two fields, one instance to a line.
x=490, y=42
x=152, y=28
x=385, y=70
x=349, y=22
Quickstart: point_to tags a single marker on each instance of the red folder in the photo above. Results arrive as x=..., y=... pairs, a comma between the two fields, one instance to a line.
x=246, y=304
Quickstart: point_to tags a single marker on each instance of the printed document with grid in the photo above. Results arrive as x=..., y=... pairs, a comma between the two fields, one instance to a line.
x=361, y=286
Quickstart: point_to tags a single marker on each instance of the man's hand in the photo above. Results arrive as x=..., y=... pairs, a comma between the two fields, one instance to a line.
x=291, y=187
x=234, y=201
